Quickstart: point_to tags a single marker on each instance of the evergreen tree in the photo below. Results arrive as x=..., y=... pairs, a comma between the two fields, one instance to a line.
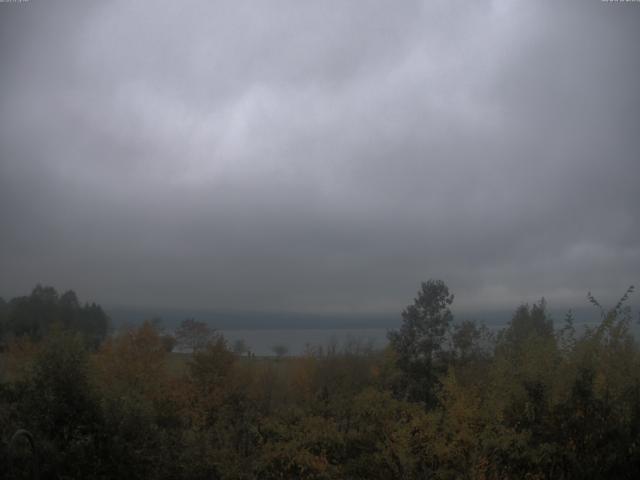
x=419, y=342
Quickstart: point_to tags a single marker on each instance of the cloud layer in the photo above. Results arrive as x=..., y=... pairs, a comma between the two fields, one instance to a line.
x=319, y=156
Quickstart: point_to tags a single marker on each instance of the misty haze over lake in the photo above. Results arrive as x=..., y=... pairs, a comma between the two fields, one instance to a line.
x=298, y=332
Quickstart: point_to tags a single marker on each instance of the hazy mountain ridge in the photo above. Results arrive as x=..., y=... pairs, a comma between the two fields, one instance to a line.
x=238, y=320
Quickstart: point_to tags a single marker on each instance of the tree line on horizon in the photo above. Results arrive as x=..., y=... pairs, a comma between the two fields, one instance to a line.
x=34, y=316
x=443, y=400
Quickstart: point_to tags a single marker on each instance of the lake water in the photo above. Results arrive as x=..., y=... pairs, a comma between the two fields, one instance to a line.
x=261, y=342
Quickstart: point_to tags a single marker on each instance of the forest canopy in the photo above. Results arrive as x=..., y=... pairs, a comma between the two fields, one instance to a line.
x=445, y=399
x=44, y=309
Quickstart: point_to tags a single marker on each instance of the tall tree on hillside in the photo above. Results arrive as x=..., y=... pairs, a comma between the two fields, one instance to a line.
x=419, y=341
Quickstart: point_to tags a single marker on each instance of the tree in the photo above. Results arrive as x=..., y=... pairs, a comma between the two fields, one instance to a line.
x=132, y=377
x=529, y=324
x=36, y=314
x=210, y=367
x=280, y=350
x=168, y=342
x=420, y=340
x=3, y=320
x=467, y=341
x=240, y=347
x=61, y=408
x=193, y=335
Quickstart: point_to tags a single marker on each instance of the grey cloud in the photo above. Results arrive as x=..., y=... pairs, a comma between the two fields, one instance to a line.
x=319, y=156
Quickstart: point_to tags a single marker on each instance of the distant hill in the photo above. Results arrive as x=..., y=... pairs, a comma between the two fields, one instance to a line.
x=227, y=320
x=237, y=320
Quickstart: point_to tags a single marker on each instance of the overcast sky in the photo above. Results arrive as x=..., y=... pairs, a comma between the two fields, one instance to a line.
x=320, y=156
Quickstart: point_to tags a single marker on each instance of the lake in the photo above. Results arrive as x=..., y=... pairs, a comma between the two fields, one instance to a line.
x=260, y=342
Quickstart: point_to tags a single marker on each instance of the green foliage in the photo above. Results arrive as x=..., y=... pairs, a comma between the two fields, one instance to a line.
x=419, y=344
x=44, y=309
x=536, y=403
x=57, y=403
x=528, y=324
x=471, y=343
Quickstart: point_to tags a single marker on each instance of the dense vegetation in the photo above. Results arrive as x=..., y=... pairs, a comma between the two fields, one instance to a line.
x=445, y=400
x=35, y=315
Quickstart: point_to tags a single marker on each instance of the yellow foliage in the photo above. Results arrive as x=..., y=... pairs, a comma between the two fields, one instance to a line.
x=133, y=362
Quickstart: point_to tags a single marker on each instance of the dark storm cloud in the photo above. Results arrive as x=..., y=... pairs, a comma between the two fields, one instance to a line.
x=321, y=156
